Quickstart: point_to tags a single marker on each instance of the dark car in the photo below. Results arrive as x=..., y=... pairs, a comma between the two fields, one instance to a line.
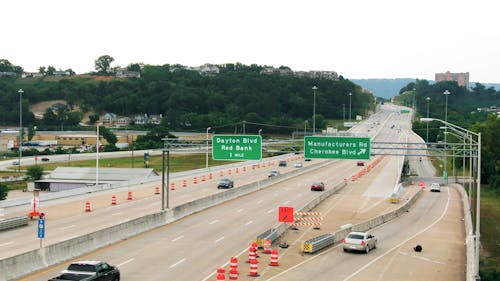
x=307, y=159
x=225, y=183
x=360, y=163
x=89, y=271
x=45, y=159
x=318, y=186
x=282, y=164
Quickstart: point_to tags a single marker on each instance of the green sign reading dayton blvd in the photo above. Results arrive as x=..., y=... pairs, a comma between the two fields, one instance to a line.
x=337, y=147
x=236, y=147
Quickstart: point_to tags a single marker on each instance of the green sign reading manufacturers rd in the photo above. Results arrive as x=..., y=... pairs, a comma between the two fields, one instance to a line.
x=236, y=147
x=337, y=147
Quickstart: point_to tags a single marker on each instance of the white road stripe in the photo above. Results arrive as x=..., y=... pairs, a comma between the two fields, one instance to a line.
x=177, y=263
x=270, y=211
x=116, y=214
x=220, y=239
x=5, y=244
x=178, y=238
x=125, y=262
x=286, y=202
x=248, y=223
x=260, y=201
x=240, y=210
x=68, y=227
x=215, y=221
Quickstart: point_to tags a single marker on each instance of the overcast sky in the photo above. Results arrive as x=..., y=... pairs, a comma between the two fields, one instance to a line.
x=356, y=38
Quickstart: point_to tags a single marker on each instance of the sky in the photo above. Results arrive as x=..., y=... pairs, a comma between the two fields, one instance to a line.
x=359, y=39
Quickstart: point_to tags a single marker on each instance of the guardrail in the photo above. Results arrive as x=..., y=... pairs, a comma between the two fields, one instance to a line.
x=13, y=222
x=317, y=243
x=270, y=234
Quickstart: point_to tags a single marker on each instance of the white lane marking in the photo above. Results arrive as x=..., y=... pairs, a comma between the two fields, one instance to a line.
x=224, y=265
x=215, y=221
x=286, y=202
x=116, y=214
x=260, y=201
x=68, y=227
x=5, y=244
x=178, y=238
x=270, y=211
x=220, y=239
x=177, y=263
x=248, y=223
x=240, y=210
x=421, y=258
x=125, y=262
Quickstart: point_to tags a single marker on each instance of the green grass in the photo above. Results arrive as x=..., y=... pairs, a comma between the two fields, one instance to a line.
x=490, y=237
x=178, y=162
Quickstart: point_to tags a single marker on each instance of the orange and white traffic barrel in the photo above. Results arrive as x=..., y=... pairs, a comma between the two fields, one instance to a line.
x=113, y=200
x=274, y=258
x=254, y=268
x=87, y=206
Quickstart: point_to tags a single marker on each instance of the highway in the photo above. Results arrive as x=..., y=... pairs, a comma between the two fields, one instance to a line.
x=193, y=247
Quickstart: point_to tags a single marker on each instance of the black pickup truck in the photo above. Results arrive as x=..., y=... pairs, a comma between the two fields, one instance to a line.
x=89, y=271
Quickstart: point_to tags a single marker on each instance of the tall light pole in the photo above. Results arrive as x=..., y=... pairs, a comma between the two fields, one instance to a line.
x=260, y=132
x=314, y=88
x=20, y=129
x=427, y=134
x=206, y=154
x=445, y=173
x=305, y=128
x=343, y=113
x=350, y=95
x=97, y=157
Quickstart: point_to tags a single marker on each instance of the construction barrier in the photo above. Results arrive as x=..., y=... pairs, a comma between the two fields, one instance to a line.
x=221, y=173
x=233, y=274
x=129, y=196
x=270, y=234
x=252, y=254
x=172, y=186
x=195, y=180
x=87, y=206
x=210, y=176
x=267, y=246
x=254, y=268
x=203, y=178
x=274, y=258
x=113, y=200
x=307, y=219
x=221, y=274
x=317, y=243
x=184, y=183
x=157, y=190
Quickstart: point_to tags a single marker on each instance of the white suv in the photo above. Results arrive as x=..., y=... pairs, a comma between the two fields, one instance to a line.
x=435, y=187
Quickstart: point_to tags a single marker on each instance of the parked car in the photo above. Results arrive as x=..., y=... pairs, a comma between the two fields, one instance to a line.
x=225, y=183
x=307, y=159
x=273, y=173
x=435, y=187
x=318, y=186
x=89, y=271
x=360, y=163
x=359, y=241
x=297, y=164
x=15, y=163
x=282, y=163
x=45, y=159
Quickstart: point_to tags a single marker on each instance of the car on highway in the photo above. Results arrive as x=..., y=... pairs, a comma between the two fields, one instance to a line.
x=89, y=271
x=359, y=241
x=273, y=173
x=225, y=183
x=282, y=163
x=45, y=159
x=360, y=163
x=15, y=163
x=307, y=159
x=297, y=164
x=435, y=187
x=318, y=186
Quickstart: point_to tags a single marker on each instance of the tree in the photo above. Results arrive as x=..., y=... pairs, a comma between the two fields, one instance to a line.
x=31, y=132
x=103, y=64
x=134, y=67
x=50, y=70
x=4, y=191
x=34, y=173
x=108, y=135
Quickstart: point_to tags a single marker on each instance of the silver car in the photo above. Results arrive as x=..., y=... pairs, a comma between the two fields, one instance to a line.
x=359, y=241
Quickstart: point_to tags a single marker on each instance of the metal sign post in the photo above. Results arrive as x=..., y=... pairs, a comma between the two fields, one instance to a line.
x=41, y=230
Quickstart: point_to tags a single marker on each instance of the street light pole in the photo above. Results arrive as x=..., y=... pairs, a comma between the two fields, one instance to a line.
x=97, y=158
x=305, y=128
x=350, y=95
x=445, y=173
x=314, y=88
x=343, y=114
x=427, y=134
x=206, y=154
x=20, y=129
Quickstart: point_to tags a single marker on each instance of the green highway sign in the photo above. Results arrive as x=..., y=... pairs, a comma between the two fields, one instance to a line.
x=337, y=147
x=236, y=147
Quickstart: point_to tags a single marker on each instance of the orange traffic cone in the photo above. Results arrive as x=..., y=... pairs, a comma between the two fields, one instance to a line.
x=274, y=258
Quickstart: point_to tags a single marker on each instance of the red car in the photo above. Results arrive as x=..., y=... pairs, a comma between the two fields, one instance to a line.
x=318, y=186
x=360, y=163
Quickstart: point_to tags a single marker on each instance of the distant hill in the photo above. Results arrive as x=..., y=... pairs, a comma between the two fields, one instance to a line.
x=384, y=88
x=388, y=88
